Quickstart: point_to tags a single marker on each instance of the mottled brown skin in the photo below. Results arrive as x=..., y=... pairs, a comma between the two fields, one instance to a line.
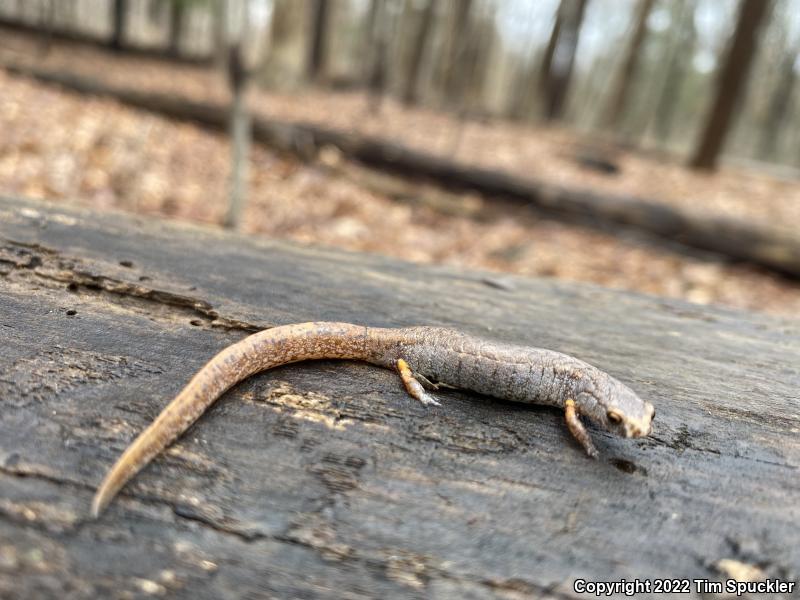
x=421, y=355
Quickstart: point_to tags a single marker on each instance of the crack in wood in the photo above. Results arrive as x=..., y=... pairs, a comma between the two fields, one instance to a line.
x=49, y=264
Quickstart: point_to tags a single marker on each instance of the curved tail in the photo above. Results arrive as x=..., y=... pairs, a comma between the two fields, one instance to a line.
x=260, y=351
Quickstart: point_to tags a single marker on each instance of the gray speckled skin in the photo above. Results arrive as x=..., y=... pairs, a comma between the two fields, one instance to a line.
x=518, y=373
x=504, y=371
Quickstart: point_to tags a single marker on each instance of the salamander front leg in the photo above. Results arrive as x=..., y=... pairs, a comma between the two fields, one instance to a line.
x=577, y=429
x=414, y=387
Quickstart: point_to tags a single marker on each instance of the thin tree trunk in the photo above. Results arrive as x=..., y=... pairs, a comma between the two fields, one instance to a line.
x=619, y=98
x=457, y=68
x=375, y=53
x=677, y=60
x=528, y=73
x=176, y=20
x=219, y=33
x=315, y=68
x=779, y=105
x=370, y=36
x=67, y=14
x=519, y=96
x=241, y=134
x=119, y=16
x=560, y=56
x=475, y=58
x=418, y=46
x=555, y=34
x=47, y=14
x=732, y=79
x=477, y=55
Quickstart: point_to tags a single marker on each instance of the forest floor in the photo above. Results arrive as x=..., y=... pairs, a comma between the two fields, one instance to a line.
x=97, y=152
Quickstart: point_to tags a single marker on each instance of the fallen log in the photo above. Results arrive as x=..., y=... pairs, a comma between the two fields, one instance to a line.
x=775, y=249
x=323, y=480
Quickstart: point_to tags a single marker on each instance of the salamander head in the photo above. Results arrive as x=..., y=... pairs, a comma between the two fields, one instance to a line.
x=616, y=408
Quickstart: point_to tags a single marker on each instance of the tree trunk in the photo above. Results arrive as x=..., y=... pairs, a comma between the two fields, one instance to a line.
x=560, y=56
x=677, y=59
x=483, y=35
x=732, y=78
x=619, y=98
x=550, y=51
x=176, y=19
x=47, y=14
x=220, y=34
x=528, y=76
x=370, y=37
x=418, y=46
x=241, y=133
x=375, y=53
x=118, y=30
x=778, y=105
x=240, y=128
x=315, y=68
x=456, y=68
x=285, y=60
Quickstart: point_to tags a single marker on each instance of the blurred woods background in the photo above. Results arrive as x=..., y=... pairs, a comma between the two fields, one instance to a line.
x=644, y=144
x=644, y=70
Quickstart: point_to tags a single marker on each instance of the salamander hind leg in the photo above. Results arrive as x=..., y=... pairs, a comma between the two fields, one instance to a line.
x=577, y=429
x=414, y=387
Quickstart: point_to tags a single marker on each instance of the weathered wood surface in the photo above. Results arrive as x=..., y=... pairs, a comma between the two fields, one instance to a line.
x=324, y=480
x=775, y=248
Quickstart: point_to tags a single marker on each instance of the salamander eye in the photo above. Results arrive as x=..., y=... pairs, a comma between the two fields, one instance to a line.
x=614, y=416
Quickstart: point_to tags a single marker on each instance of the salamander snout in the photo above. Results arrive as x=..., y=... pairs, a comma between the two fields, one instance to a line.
x=639, y=423
x=627, y=415
x=640, y=428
